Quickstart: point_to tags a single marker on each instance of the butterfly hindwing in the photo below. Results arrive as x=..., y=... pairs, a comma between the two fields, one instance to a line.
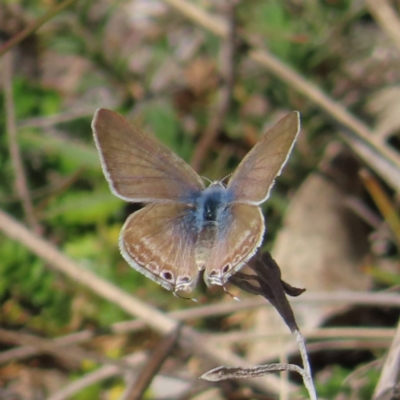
x=237, y=240
x=156, y=242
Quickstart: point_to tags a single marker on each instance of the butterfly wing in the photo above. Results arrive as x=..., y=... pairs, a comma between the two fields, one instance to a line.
x=156, y=242
x=137, y=167
x=255, y=175
x=238, y=238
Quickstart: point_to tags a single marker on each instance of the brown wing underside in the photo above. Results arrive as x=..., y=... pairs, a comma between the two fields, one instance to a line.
x=137, y=166
x=235, y=243
x=255, y=175
x=156, y=242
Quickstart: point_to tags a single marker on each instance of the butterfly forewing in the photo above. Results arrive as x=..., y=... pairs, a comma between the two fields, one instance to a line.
x=255, y=175
x=137, y=167
x=238, y=238
x=156, y=242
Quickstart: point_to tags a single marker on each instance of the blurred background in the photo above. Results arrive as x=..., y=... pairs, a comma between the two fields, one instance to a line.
x=206, y=78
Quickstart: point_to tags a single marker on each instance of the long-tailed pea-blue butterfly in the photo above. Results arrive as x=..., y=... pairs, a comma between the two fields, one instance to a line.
x=186, y=227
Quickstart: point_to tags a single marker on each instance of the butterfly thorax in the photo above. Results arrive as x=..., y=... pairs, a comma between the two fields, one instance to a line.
x=211, y=204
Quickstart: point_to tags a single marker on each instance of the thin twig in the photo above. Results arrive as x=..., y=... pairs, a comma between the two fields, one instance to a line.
x=34, y=26
x=215, y=24
x=316, y=299
x=361, y=209
x=386, y=17
x=94, y=377
x=51, y=120
x=336, y=345
x=139, y=384
x=307, y=377
x=21, y=184
x=390, y=377
x=74, y=353
x=383, y=202
x=51, y=189
x=363, y=370
x=220, y=110
x=25, y=351
x=314, y=334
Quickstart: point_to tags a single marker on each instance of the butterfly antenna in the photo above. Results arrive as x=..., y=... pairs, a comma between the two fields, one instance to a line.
x=185, y=298
x=230, y=294
x=206, y=179
x=226, y=177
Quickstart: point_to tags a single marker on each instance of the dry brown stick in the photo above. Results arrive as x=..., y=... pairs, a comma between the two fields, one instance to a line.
x=363, y=370
x=314, y=334
x=51, y=120
x=96, y=376
x=386, y=17
x=345, y=344
x=361, y=209
x=306, y=88
x=214, y=24
x=339, y=344
x=29, y=351
x=225, y=94
x=389, y=381
x=191, y=340
x=74, y=353
x=135, y=391
x=21, y=184
x=34, y=26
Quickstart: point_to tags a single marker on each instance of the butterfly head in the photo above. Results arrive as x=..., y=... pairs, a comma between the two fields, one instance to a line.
x=217, y=184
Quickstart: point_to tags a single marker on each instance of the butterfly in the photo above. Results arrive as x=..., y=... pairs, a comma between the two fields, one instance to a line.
x=185, y=226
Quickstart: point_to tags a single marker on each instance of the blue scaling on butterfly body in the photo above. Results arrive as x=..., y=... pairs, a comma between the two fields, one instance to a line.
x=186, y=227
x=211, y=204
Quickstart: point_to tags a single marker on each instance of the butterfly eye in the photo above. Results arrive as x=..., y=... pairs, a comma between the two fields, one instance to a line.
x=168, y=276
x=226, y=268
